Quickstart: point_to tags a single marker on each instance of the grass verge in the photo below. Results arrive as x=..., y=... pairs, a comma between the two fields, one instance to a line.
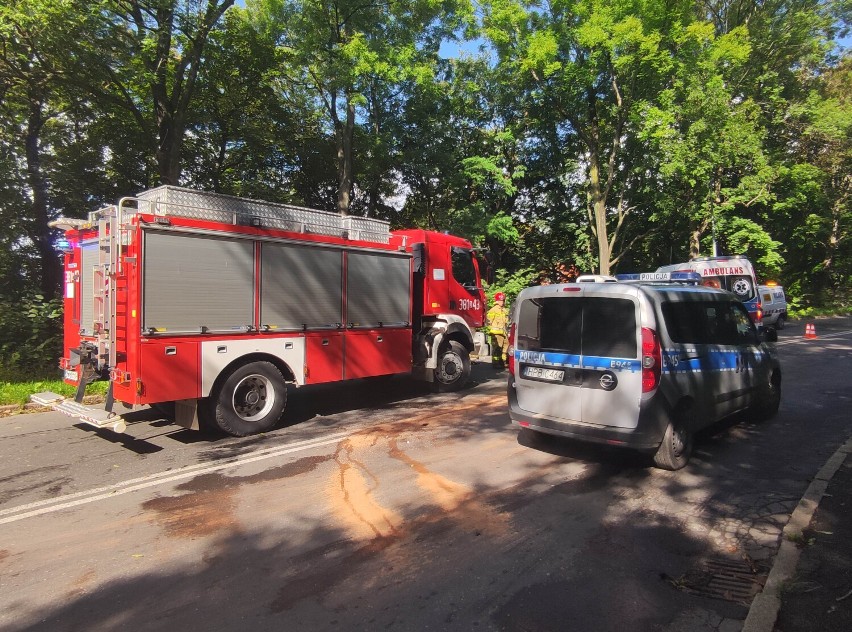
x=18, y=393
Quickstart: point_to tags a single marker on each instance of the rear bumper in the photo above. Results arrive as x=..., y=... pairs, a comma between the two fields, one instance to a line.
x=646, y=436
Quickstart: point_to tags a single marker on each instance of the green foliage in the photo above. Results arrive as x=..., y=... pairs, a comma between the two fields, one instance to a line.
x=593, y=134
x=510, y=283
x=18, y=392
x=30, y=338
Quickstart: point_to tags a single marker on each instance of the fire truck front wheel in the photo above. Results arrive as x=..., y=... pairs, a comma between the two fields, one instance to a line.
x=453, y=367
x=250, y=400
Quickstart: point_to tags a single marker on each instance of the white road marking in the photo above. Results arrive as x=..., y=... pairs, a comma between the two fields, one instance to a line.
x=795, y=341
x=13, y=514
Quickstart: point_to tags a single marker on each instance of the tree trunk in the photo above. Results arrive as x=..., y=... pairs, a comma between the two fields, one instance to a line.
x=597, y=200
x=344, y=158
x=695, y=238
x=40, y=233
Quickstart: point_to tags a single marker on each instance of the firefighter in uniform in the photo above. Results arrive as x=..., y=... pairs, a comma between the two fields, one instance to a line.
x=497, y=320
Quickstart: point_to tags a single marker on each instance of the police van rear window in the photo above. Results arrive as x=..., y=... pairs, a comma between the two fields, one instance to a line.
x=590, y=326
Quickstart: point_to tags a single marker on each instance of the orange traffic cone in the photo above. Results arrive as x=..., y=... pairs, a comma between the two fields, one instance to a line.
x=810, y=331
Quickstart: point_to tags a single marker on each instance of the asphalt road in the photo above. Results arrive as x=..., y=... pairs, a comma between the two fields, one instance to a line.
x=381, y=506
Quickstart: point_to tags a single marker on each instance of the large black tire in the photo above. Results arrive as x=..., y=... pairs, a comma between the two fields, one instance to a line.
x=453, y=367
x=782, y=320
x=769, y=398
x=676, y=448
x=250, y=400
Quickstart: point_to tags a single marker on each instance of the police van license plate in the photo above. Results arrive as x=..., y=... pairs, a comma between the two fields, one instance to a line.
x=551, y=375
x=70, y=375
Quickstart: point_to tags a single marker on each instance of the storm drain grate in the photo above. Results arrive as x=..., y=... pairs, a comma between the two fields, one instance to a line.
x=731, y=580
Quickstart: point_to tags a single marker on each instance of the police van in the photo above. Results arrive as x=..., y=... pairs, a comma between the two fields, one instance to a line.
x=642, y=363
x=774, y=304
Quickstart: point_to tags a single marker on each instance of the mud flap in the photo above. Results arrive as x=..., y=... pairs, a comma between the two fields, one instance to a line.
x=186, y=414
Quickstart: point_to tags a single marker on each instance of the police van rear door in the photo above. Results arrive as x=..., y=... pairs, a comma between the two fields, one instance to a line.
x=578, y=354
x=612, y=366
x=549, y=365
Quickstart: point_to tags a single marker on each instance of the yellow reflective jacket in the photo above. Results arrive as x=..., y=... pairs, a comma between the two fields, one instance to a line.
x=496, y=319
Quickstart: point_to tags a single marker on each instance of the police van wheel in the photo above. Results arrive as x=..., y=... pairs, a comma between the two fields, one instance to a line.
x=250, y=400
x=770, y=399
x=676, y=447
x=453, y=367
x=782, y=320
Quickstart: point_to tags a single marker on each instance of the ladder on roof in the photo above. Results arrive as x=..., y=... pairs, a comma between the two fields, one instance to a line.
x=170, y=201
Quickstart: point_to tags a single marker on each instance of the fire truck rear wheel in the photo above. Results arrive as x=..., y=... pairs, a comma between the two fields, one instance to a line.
x=250, y=400
x=453, y=367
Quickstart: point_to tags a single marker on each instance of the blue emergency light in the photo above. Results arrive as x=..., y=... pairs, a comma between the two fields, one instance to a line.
x=660, y=277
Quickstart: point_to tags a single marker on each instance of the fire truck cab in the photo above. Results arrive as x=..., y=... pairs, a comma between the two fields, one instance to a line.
x=216, y=303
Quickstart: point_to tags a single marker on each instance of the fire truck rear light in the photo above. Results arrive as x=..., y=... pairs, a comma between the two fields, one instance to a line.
x=140, y=388
x=119, y=377
x=436, y=305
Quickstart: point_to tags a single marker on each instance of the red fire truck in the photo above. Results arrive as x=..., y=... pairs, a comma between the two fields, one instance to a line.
x=216, y=303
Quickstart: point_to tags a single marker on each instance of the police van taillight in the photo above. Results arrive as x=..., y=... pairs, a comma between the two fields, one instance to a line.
x=510, y=352
x=651, y=360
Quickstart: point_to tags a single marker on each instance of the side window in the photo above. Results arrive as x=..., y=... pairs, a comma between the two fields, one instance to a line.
x=746, y=333
x=463, y=270
x=723, y=324
x=689, y=322
x=767, y=298
x=705, y=322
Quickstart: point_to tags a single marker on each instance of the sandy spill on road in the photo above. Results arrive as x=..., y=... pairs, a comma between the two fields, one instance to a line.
x=353, y=489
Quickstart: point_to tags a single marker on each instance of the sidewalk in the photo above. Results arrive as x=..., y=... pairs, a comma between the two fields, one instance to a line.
x=810, y=586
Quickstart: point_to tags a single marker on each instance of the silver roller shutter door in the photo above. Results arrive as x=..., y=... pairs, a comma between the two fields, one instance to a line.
x=195, y=281
x=302, y=286
x=378, y=289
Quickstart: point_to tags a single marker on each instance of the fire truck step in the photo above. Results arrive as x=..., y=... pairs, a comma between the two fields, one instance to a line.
x=87, y=414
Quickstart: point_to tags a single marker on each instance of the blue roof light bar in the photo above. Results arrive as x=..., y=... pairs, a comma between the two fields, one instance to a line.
x=660, y=277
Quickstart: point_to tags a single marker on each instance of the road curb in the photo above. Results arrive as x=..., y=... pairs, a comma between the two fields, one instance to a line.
x=764, y=608
x=13, y=409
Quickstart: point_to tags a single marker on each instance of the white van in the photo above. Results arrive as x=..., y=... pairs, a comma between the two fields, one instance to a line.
x=774, y=305
x=640, y=365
